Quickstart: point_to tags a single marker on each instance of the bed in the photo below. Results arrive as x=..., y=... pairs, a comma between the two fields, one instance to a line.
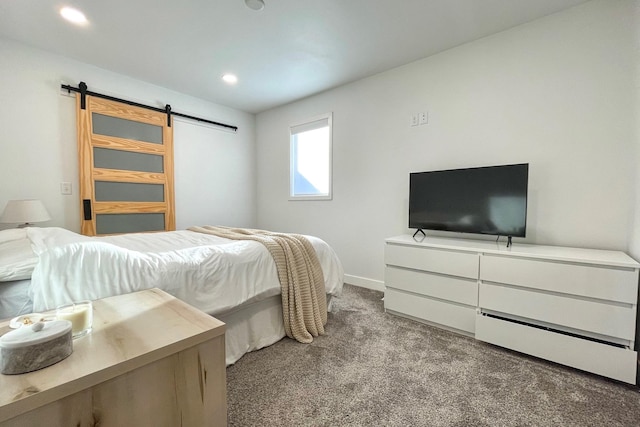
x=235, y=281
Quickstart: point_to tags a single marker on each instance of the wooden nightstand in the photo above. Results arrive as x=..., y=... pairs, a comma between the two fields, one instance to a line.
x=151, y=360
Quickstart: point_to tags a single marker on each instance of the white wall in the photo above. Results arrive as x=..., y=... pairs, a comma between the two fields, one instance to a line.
x=214, y=169
x=557, y=93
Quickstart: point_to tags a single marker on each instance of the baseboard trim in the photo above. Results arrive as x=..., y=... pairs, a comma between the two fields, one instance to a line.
x=363, y=282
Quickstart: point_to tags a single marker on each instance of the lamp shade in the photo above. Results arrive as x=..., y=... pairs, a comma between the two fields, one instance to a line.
x=25, y=212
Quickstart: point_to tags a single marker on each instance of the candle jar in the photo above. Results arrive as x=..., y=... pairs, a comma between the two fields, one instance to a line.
x=80, y=314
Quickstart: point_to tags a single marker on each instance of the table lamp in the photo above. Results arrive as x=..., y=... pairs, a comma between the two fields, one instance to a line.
x=24, y=212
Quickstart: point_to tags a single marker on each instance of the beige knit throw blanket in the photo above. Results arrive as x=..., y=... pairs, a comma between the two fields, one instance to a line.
x=304, y=302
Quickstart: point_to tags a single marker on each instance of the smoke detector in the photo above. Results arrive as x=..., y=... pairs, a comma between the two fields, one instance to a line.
x=255, y=4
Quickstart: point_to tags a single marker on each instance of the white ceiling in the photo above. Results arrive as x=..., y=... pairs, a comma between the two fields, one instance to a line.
x=289, y=50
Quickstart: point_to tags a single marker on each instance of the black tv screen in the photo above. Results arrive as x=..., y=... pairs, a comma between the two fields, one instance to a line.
x=484, y=200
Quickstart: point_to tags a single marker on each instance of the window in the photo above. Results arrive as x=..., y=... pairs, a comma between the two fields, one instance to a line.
x=310, y=177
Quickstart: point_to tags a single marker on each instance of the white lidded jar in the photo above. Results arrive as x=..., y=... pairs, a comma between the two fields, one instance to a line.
x=33, y=347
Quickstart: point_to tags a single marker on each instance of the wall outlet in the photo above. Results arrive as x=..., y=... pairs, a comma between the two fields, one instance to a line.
x=65, y=188
x=413, y=121
x=423, y=118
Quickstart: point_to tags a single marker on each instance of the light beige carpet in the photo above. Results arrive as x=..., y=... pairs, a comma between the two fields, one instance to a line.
x=374, y=369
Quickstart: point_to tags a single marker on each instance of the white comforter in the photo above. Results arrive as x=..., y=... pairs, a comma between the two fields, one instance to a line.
x=208, y=272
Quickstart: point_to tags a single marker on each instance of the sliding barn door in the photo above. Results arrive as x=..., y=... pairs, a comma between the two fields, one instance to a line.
x=126, y=168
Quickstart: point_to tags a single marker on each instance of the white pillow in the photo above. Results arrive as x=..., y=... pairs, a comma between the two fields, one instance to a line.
x=17, y=260
x=44, y=238
x=12, y=234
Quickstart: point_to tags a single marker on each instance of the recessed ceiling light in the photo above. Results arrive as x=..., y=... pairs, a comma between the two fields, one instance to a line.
x=254, y=4
x=73, y=15
x=230, y=78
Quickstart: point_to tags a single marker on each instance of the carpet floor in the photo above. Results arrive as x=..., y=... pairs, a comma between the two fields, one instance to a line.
x=375, y=369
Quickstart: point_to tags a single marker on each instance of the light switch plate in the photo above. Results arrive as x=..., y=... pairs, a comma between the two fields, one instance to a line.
x=65, y=188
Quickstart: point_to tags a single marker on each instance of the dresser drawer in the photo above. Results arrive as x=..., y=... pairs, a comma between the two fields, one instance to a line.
x=614, y=320
x=590, y=356
x=463, y=264
x=449, y=314
x=614, y=284
x=463, y=291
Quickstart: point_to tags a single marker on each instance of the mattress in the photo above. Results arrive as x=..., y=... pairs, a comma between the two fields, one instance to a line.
x=14, y=298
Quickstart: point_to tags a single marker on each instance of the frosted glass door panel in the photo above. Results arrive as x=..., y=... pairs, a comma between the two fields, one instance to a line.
x=128, y=129
x=107, y=191
x=129, y=223
x=127, y=160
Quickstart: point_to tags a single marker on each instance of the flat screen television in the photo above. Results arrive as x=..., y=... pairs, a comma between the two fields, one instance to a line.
x=484, y=200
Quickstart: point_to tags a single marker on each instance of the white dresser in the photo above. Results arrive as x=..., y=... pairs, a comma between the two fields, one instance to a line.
x=572, y=306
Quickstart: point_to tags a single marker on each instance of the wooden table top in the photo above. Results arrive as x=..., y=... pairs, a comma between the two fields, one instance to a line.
x=129, y=331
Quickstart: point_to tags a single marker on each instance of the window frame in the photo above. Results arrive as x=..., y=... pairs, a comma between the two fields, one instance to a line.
x=329, y=195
